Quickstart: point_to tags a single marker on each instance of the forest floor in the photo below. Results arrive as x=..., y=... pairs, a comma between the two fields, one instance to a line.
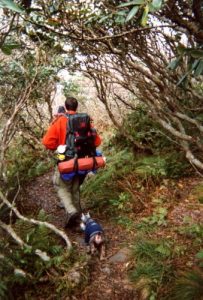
x=109, y=279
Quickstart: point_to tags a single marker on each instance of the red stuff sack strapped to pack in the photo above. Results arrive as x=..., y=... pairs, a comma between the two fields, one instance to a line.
x=82, y=164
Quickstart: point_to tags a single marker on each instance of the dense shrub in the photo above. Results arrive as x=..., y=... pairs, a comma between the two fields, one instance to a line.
x=22, y=270
x=143, y=130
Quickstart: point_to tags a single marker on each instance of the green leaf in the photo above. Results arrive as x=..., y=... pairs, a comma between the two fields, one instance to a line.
x=103, y=19
x=3, y=290
x=10, y=5
x=163, y=250
x=181, y=50
x=183, y=78
x=145, y=16
x=7, y=48
x=121, y=13
x=135, y=2
x=152, y=8
x=196, y=53
x=162, y=211
x=199, y=255
x=199, y=68
x=194, y=64
x=152, y=297
x=174, y=63
x=157, y=4
x=132, y=13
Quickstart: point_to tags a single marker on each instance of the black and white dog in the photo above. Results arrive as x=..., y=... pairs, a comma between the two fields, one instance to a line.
x=94, y=236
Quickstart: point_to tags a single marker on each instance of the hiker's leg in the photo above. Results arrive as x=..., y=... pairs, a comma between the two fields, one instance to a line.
x=64, y=191
x=56, y=177
x=76, y=193
x=81, y=179
x=66, y=196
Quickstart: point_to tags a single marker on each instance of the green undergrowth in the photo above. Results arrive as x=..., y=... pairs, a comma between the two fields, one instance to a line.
x=24, y=163
x=198, y=192
x=152, y=267
x=165, y=264
x=145, y=131
x=106, y=188
x=24, y=275
x=138, y=192
x=157, y=275
x=190, y=285
x=192, y=230
x=189, y=282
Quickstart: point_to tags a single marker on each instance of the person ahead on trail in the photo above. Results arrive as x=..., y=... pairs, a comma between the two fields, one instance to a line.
x=68, y=188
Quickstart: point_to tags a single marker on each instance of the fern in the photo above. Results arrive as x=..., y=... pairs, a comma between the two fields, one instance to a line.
x=39, y=237
x=151, y=267
x=153, y=166
x=151, y=250
x=22, y=269
x=56, y=249
x=148, y=270
x=3, y=290
x=104, y=186
x=189, y=286
x=101, y=188
x=25, y=163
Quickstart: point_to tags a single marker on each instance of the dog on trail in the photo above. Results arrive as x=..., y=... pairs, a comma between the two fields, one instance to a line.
x=94, y=236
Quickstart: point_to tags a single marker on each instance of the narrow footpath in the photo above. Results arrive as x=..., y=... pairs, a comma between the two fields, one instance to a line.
x=108, y=279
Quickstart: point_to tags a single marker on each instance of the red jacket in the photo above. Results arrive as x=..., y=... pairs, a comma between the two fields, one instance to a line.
x=56, y=133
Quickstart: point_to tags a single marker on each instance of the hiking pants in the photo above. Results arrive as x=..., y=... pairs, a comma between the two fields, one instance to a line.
x=68, y=192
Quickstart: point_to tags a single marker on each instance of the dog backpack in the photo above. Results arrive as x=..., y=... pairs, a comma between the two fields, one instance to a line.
x=80, y=136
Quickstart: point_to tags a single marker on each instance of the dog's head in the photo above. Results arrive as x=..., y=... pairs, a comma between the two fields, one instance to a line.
x=98, y=239
x=85, y=217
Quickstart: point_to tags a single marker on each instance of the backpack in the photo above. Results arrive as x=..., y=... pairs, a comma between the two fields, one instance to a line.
x=80, y=136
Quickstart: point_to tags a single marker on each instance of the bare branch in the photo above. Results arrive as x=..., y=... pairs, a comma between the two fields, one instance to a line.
x=36, y=222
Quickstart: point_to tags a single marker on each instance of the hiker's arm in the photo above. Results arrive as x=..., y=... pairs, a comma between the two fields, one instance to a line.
x=56, y=134
x=50, y=139
x=97, y=138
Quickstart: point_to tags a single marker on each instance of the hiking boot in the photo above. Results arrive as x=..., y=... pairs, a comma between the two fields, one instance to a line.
x=72, y=220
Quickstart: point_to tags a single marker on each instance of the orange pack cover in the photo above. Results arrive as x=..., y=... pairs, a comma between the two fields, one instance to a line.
x=84, y=164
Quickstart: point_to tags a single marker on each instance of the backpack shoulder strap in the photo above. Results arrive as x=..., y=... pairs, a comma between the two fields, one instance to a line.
x=70, y=136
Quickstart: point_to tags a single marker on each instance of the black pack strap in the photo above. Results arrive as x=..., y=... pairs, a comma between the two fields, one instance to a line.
x=70, y=142
x=70, y=124
x=95, y=164
x=75, y=165
x=67, y=126
x=70, y=136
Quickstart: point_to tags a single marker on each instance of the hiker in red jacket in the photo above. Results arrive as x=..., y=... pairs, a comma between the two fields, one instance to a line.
x=68, y=190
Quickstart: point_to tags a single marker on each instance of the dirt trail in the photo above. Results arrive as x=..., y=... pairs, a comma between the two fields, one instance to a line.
x=108, y=279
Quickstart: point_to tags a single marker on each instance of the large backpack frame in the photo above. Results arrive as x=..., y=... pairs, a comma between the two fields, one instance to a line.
x=80, y=136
